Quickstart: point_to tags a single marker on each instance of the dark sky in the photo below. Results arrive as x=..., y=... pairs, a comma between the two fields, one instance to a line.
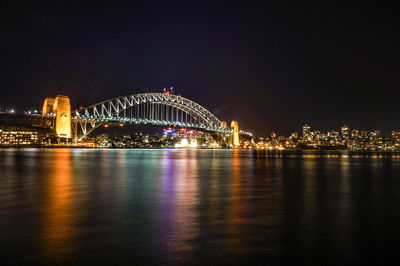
x=271, y=67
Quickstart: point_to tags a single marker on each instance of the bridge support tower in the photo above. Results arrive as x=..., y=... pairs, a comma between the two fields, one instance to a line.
x=235, y=133
x=61, y=107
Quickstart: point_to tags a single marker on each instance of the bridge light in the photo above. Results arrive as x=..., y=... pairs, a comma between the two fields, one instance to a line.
x=121, y=125
x=106, y=126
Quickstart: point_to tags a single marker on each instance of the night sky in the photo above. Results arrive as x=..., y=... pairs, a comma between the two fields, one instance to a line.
x=271, y=67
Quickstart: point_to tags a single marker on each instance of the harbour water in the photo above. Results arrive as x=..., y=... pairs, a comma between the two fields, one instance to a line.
x=74, y=206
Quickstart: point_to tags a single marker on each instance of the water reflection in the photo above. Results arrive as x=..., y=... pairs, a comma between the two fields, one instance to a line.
x=197, y=207
x=235, y=205
x=176, y=212
x=59, y=212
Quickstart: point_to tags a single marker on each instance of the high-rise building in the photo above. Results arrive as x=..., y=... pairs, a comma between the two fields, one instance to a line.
x=355, y=133
x=306, y=131
x=345, y=130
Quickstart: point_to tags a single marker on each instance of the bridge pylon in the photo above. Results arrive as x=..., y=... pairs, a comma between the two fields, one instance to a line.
x=235, y=133
x=61, y=108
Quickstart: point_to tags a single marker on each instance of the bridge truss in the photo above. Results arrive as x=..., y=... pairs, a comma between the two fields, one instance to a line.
x=160, y=109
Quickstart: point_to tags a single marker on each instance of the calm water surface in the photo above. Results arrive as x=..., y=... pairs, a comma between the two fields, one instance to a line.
x=70, y=206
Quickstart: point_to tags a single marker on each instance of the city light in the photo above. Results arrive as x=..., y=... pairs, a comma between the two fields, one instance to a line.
x=184, y=134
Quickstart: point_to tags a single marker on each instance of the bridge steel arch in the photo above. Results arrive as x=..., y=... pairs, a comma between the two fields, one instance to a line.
x=157, y=109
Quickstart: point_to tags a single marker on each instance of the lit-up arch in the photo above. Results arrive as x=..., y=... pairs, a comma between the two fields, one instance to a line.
x=147, y=108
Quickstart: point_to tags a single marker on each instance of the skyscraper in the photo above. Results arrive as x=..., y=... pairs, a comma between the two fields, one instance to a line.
x=306, y=131
x=345, y=130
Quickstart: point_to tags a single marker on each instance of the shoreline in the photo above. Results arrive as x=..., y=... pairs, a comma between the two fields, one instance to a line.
x=4, y=147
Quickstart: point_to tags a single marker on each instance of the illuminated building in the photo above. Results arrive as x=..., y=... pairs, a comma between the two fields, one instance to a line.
x=345, y=130
x=355, y=134
x=169, y=132
x=333, y=134
x=235, y=137
x=18, y=137
x=396, y=135
x=186, y=144
x=295, y=135
x=364, y=133
x=62, y=109
x=103, y=140
x=374, y=134
x=306, y=131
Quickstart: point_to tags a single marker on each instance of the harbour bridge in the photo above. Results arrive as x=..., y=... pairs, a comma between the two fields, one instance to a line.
x=158, y=109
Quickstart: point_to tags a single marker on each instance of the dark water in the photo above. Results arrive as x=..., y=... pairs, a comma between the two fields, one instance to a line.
x=197, y=207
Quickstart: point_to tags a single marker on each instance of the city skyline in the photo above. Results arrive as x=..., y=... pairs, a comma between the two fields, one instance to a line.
x=338, y=127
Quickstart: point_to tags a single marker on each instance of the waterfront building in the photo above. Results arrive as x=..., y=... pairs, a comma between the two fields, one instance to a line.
x=19, y=137
x=103, y=140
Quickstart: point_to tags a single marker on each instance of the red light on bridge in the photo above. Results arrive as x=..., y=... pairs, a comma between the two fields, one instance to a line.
x=168, y=91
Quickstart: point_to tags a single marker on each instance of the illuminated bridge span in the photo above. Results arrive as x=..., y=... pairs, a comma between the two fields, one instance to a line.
x=146, y=108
